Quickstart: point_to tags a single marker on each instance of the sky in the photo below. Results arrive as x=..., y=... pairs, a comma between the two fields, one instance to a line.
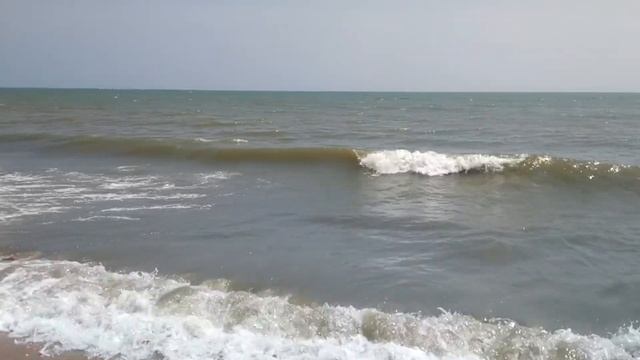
x=329, y=45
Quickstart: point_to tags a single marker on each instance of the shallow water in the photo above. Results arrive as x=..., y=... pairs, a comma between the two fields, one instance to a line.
x=520, y=207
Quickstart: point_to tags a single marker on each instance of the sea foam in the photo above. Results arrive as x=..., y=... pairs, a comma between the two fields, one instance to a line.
x=432, y=163
x=55, y=191
x=75, y=306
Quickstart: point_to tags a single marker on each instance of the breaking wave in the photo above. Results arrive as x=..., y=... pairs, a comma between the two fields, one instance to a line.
x=429, y=163
x=67, y=305
x=432, y=163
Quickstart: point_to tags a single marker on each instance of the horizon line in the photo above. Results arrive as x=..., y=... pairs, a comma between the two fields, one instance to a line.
x=329, y=91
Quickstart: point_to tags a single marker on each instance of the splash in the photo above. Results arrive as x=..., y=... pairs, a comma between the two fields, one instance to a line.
x=76, y=306
x=432, y=163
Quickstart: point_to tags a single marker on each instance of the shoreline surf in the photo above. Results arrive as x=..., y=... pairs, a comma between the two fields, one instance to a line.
x=73, y=306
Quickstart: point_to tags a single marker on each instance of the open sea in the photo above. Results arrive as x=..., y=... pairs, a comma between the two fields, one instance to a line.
x=184, y=225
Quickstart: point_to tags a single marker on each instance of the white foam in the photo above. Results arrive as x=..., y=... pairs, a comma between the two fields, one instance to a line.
x=432, y=163
x=203, y=140
x=218, y=175
x=72, y=306
x=157, y=207
x=101, y=217
x=31, y=210
x=55, y=191
x=127, y=168
x=129, y=182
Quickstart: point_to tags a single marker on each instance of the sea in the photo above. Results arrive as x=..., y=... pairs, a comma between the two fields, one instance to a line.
x=187, y=225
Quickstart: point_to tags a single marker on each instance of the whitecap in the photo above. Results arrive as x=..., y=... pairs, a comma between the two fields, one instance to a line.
x=74, y=306
x=432, y=163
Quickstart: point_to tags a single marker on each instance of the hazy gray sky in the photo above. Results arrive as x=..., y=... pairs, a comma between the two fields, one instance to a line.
x=445, y=45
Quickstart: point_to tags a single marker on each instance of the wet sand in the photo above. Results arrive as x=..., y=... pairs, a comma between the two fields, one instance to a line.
x=9, y=350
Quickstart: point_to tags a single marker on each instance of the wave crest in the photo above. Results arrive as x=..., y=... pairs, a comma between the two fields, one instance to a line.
x=400, y=161
x=432, y=163
x=74, y=306
x=539, y=167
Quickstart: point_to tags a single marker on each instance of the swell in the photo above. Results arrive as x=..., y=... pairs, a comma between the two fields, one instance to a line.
x=378, y=162
x=78, y=306
x=199, y=151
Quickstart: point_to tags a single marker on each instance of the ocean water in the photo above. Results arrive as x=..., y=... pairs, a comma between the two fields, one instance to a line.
x=236, y=225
